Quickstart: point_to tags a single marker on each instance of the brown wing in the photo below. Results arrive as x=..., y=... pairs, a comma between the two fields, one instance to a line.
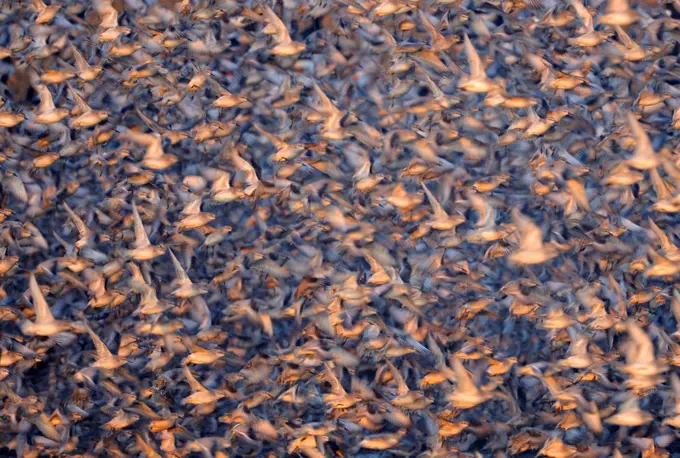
x=42, y=310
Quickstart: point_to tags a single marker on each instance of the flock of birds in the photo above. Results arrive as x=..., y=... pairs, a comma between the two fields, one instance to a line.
x=343, y=228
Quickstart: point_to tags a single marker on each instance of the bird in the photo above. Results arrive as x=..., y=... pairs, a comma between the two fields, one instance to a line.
x=285, y=46
x=47, y=113
x=85, y=115
x=143, y=250
x=44, y=323
x=105, y=359
x=531, y=250
x=477, y=81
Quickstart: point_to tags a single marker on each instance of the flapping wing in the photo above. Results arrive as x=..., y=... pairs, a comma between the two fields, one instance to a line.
x=642, y=351
x=46, y=103
x=464, y=380
x=583, y=13
x=101, y=348
x=191, y=380
x=179, y=270
x=141, y=238
x=531, y=237
x=281, y=30
x=42, y=309
x=476, y=66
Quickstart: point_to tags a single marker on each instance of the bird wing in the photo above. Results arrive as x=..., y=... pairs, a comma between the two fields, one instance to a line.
x=583, y=13
x=531, y=237
x=191, y=380
x=179, y=270
x=141, y=238
x=643, y=349
x=79, y=101
x=42, y=309
x=83, y=231
x=476, y=66
x=464, y=380
x=282, y=34
x=437, y=209
x=101, y=348
x=643, y=143
x=46, y=103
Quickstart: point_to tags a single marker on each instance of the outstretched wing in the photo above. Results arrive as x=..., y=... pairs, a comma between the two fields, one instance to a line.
x=141, y=238
x=101, y=348
x=476, y=66
x=42, y=310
